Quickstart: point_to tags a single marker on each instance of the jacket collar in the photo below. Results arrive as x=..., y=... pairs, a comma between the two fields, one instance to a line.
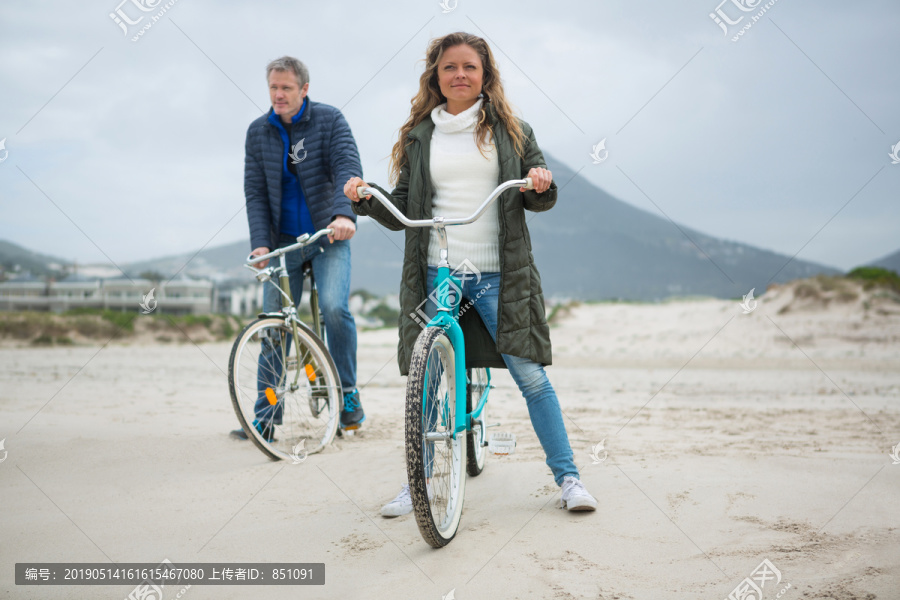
x=304, y=118
x=423, y=131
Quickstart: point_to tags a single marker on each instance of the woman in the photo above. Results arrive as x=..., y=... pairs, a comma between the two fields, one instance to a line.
x=460, y=141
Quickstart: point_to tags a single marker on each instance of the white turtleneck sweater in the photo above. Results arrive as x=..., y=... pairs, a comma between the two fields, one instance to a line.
x=463, y=178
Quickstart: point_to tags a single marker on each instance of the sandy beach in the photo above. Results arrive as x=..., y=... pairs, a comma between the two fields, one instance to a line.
x=728, y=439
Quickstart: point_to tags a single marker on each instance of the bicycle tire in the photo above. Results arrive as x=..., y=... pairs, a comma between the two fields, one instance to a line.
x=476, y=450
x=308, y=413
x=431, y=407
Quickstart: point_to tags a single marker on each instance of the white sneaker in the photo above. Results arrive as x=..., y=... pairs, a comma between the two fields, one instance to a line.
x=402, y=504
x=575, y=496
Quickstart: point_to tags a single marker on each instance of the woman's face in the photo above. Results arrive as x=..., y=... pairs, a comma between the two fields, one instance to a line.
x=460, y=74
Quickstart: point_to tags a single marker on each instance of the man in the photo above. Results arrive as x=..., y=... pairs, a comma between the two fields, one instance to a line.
x=297, y=158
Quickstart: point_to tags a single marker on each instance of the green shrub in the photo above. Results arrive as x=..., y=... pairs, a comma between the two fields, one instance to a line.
x=122, y=320
x=388, y=315
x=806, y=290
x=92, y=326
x=364, y=294
x=873, y=277
x=42, y=340
x=829, y=283
x=228, y=330
x=191, y=320
x=21, y=325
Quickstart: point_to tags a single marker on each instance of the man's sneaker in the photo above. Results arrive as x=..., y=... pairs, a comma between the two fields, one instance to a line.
x=575, y=496
x=352, y=415
x=267, y=432
x=402, y=504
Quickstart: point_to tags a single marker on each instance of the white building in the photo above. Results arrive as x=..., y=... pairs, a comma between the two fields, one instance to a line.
x=179, y=296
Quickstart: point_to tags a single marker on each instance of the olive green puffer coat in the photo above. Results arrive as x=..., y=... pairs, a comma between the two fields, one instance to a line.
x=522, y=329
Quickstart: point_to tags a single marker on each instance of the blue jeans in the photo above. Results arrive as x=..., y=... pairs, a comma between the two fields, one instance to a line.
x=331, y=268
x=543, y=405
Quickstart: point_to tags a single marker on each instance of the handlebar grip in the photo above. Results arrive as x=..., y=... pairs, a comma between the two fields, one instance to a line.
x=361, y=191
x=529, y=184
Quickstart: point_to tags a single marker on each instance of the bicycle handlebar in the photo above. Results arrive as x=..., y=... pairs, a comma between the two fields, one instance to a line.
x=361, y=191
x=303, y=240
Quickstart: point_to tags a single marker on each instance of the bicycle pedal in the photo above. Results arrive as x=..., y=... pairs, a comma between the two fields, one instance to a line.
x=502, y=443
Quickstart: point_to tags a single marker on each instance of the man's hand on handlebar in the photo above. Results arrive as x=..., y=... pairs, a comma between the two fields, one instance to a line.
x=542, y=179
x=259, y=252
x=343, y=227
x=350, y=188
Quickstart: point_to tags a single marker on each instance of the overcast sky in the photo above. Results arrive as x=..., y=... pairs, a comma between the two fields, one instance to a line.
x=131, y=150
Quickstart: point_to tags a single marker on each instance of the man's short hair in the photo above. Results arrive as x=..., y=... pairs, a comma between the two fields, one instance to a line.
x=289, y=63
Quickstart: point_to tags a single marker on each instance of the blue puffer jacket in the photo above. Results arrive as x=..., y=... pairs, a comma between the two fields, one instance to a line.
x=331, y=159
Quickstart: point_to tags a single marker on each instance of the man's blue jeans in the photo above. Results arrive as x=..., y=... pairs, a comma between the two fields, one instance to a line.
x=331, y=268
x=543, y=405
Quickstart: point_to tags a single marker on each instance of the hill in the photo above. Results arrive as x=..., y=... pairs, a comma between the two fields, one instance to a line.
x=891, y=262
x=590, y=246
x=16, y=259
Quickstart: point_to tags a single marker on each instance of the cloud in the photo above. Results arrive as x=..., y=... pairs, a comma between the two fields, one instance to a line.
x=143, y=149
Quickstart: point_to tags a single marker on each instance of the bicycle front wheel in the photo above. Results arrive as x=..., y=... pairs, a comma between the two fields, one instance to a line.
x=286, y=392
x=435, y=455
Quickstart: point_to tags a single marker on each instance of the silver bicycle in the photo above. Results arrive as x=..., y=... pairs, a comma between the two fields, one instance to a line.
x=284, y=385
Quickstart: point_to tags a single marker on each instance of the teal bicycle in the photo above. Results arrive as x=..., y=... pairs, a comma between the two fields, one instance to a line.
x=445, y=404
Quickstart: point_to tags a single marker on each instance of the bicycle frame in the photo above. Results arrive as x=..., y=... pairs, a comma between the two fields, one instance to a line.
x=447, y=311
x=284, y=288
x=446, y=318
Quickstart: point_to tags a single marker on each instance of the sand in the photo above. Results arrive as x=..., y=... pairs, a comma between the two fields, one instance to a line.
x=728, y=439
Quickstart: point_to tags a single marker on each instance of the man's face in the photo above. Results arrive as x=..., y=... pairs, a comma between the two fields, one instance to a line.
x=286, y=94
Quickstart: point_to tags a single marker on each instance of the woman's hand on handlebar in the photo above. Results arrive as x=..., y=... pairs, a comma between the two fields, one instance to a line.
x=259, y=252
x=542, y=179
x=350, y=188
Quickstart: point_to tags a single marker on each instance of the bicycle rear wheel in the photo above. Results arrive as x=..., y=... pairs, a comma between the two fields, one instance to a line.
x=285, y=391
x=476, y=438
x=435, y=457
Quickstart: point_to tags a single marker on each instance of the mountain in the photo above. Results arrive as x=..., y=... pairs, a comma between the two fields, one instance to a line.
x=592, y=245
x=14, y=258
x=891, y=261
x=219, y=263
x=376, y=255
x=589, y=246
